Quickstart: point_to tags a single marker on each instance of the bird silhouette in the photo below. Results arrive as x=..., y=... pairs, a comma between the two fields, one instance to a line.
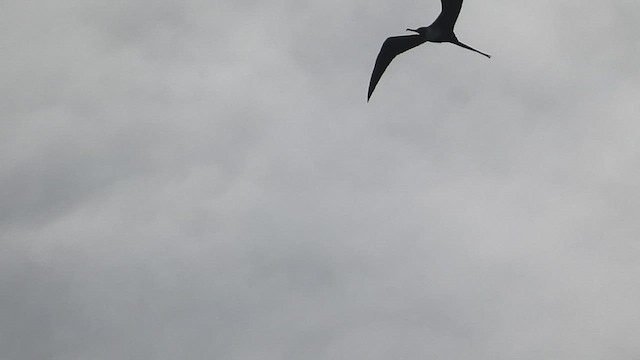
x=440, y=31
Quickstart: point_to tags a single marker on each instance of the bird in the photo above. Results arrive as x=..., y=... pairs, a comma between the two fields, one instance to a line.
x=441, y=30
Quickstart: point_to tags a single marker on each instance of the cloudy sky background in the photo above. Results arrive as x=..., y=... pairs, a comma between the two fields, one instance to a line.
x=205, y=180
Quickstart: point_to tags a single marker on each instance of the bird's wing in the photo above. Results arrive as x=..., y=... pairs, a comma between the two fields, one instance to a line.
x=449, y=15
x=390, y=49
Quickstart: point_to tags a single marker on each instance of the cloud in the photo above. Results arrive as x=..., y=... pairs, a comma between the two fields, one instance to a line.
x=206, y=180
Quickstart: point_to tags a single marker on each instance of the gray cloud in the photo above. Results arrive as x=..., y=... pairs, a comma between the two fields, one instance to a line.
x=206, y=180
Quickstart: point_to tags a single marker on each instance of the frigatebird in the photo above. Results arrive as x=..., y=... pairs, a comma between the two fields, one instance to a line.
x=440, y=31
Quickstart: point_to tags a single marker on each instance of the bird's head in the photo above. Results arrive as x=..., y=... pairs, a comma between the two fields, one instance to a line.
x=421, y=31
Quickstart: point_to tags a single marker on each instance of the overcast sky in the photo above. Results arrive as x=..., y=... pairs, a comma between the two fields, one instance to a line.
x=205, y=180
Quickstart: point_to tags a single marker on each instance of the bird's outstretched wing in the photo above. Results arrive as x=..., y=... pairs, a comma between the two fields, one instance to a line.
x=450, y=11
x=390, y=49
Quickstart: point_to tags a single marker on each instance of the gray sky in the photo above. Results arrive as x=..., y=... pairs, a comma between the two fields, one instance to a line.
x=205, y=180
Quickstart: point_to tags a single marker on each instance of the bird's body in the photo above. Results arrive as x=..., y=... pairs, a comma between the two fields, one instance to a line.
x=440, y=31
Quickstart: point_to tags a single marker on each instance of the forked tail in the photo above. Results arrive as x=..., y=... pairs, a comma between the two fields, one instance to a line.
x=470, y=48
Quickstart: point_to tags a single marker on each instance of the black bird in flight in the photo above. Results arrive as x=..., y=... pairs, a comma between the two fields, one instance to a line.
x=440, y=31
